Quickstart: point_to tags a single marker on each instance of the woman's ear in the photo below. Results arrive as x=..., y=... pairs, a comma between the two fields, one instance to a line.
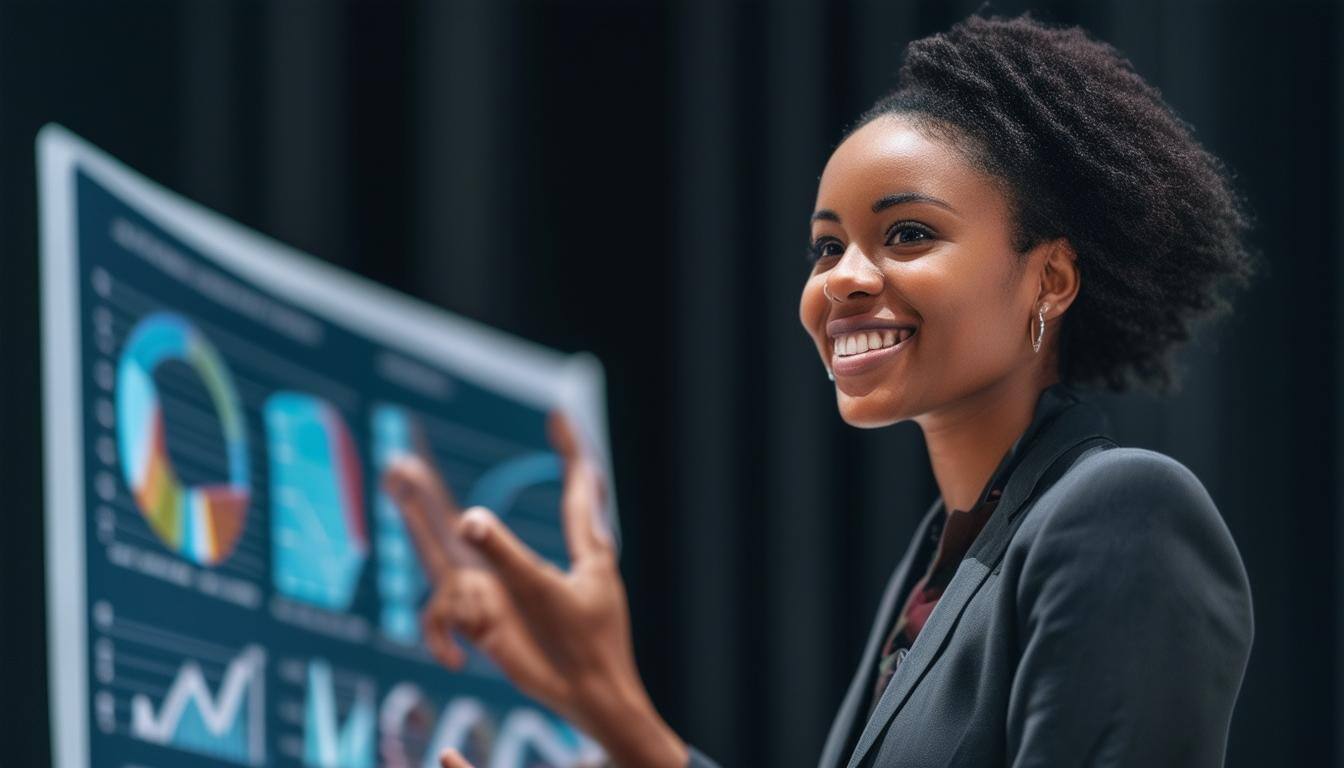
x=1059, y=277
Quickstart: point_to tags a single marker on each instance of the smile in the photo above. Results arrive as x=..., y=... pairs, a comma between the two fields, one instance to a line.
x=860, y=352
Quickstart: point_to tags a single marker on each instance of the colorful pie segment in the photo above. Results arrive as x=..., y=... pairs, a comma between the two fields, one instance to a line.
x=201, y=522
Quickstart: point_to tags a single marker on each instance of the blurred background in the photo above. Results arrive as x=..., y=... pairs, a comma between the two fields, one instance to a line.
x=634, y=179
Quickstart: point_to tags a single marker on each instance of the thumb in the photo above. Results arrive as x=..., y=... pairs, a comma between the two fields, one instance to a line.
x=524, y=573
x=451, y=758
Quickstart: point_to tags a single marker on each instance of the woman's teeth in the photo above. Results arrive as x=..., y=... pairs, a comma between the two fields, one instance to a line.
x=857, y=343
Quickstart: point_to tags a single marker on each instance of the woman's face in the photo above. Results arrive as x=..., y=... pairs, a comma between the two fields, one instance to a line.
x=913, y=240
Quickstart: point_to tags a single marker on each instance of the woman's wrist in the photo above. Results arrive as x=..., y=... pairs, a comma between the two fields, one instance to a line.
x=624, y=721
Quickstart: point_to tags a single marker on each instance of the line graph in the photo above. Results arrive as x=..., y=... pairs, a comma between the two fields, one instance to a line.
x=229, y=724
x=327, y=742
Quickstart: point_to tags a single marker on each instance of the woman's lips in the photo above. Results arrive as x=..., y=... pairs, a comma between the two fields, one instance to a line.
x=851, y=365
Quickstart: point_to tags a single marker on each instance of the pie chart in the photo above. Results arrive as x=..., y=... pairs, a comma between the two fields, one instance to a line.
x=201, y=522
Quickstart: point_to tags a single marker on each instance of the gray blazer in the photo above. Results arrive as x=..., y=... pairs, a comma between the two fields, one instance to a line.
x=1102, y=617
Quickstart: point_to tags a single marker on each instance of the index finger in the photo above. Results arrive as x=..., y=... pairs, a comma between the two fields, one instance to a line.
x=427, y=507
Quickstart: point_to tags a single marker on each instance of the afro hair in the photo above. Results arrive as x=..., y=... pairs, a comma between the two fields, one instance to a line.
x=1087, y=150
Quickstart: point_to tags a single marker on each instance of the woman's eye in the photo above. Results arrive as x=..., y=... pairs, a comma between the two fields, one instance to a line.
x=824, y=248
x=900, y=234
x=908, y=233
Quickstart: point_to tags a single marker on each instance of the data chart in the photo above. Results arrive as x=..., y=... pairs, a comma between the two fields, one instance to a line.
x=227, y=582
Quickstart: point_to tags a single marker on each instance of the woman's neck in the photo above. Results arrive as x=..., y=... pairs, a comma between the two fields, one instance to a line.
x=968, y=438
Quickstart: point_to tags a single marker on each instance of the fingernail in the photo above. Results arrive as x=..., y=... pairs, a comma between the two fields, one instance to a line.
x=474, y=530
x=473, y=526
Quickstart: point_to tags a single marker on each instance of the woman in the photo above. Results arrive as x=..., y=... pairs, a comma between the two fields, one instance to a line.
x=1022, y=216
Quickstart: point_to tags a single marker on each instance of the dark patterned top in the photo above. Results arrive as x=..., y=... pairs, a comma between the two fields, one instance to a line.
x=957, y=531
x=952, y=535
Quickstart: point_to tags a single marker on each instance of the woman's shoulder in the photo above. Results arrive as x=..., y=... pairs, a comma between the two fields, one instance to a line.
x=1132, y=508
x=1131, y=483
x=1132, y=472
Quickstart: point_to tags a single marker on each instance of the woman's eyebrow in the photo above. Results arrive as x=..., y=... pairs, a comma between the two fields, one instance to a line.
x=826, y=214
x=909, y=197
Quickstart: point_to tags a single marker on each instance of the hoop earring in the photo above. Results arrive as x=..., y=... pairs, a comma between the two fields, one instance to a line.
x=1040, y=334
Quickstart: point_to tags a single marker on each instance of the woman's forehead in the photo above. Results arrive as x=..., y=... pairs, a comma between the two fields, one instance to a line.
x=890, y=155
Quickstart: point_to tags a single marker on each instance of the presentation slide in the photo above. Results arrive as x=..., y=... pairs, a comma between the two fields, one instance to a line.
x=227, y=584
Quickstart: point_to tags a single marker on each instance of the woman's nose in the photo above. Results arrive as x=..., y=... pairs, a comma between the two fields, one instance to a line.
x=853, y=275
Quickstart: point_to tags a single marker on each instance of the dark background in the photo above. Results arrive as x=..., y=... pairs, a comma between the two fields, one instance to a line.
x=634, y=179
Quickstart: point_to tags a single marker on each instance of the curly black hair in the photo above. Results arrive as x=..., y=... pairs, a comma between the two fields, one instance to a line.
x=1085, y=149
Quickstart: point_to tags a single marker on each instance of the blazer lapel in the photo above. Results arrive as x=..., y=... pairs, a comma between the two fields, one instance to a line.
x=833, y=755
x=1075, y=422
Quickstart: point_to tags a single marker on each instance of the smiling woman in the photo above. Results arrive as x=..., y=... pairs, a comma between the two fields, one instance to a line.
x=1021, y=217
x=908, y=234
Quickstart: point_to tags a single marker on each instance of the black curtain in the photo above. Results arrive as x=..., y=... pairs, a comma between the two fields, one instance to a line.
x=634, y=179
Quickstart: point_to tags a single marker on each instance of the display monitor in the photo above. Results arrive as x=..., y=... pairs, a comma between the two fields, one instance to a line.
x=227, y=584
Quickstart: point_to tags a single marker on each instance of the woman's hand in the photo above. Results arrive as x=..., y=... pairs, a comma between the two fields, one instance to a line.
x=561, y=637
x=451, y=758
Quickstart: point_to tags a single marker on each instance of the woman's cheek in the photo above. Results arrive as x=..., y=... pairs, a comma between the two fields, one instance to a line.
x=812, y=312
x=927, y=288
x=812, y=303
x=952, y=337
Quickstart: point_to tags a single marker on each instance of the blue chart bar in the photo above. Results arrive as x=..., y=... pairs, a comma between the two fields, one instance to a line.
x=319, y=539
x=227, y=724
x=401, y=582
x=329, y=743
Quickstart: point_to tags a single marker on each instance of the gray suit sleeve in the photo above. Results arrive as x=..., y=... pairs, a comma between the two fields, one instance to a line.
x=1135, y=622
x=698, y=760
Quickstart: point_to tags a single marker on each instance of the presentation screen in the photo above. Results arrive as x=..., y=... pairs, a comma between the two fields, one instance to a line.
x=227, y=584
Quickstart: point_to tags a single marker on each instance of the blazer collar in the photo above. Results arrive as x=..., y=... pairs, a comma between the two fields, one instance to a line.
x=1062, y=420
x=1051, y=401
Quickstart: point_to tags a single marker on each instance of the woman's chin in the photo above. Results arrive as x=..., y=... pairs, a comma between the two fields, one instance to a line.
x=870, y=410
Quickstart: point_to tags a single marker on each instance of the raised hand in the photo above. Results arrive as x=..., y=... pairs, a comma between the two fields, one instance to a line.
x=467, y=597
x=562, y=637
